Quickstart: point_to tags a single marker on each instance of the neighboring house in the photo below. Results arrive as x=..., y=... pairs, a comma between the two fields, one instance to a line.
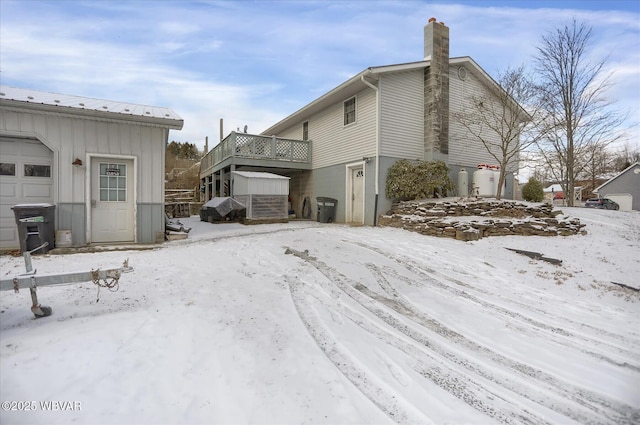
x=101, y=163
x=553, y=192
x=624, y=188
x=342, y=144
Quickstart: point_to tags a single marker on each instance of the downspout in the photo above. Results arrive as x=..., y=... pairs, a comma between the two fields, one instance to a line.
x=377, y=173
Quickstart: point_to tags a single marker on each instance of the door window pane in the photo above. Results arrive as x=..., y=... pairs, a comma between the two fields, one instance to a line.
x=31, y=170
x=7, y=169
x=113, y=182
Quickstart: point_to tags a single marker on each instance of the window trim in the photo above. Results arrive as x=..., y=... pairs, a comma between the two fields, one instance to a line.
x=355, y=111
x=31, y=175
x=8, y=167
x=305, y=130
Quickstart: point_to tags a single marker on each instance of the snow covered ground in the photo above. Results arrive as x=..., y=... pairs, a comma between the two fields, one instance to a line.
x=238, y=324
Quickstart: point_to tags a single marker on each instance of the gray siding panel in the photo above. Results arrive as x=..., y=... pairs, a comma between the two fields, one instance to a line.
x=71, y=138
x=330, y=182
x=334, y=143
x=628, y=182
x=464, y=150
x=402, y=116
x=150, y=220
x=72, y=216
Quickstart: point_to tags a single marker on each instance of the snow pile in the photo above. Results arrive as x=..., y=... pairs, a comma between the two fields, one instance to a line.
x=321, y=323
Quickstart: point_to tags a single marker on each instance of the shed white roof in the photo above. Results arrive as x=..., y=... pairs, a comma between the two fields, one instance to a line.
x=259, y=175
x=553, y=188
x=78, y=103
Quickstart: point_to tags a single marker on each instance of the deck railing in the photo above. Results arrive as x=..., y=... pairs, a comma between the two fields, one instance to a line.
x=254, y=146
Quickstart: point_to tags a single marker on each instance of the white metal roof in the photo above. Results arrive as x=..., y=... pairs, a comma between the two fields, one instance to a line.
x=88, y=104
x=260, y=175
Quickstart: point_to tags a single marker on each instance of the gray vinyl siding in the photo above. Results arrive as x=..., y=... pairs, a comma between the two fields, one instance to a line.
x=463, y=149
x=629, y=182
x=294, y=132
x=150, y=223
x=330, y=182
x=333, y=142
x=71, y=137
x=402, y=115
x=73, y=216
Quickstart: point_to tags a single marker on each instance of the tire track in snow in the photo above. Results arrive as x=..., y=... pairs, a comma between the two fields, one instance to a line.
x=410, y=311
x=565, y=338
x=430, y=367
x=331, y=348
x=610, y=409
x=428, y=272
x=554, y=331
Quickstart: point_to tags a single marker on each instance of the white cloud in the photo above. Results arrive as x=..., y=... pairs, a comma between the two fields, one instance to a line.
x=255, y=63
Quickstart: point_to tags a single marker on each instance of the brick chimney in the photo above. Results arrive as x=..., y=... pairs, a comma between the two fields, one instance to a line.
x=436, y=91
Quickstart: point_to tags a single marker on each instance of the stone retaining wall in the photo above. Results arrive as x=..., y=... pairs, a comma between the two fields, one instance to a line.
x=474, y=219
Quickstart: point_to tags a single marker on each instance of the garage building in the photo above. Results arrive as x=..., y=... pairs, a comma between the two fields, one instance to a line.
x=100, y=162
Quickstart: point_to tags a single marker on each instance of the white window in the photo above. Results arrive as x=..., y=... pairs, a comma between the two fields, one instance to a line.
x=350, y=111
x=32, y=170
x=305, y=130
x=7, y=169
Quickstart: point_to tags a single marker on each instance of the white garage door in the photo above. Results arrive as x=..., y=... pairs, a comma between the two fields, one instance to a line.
x=26, y=169
x=625, y=200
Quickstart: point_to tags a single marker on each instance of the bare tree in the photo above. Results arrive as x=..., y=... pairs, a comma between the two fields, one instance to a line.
x=600, y=162
x=497, y=119
x=625, y=157
x=580, y=121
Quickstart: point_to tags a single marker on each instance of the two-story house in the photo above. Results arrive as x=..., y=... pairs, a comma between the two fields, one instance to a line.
x=342, y=144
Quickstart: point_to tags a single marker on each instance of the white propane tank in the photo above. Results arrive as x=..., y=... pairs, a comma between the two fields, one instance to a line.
x=463, y=182
x=495, y=169
x=483, y=181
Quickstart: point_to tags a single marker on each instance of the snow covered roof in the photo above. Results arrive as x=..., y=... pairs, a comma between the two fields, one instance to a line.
x=96, y=107
x=553, y=188
x=558, y=188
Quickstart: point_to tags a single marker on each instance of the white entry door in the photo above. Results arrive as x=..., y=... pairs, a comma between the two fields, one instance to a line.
x=112, y=204
x=357, y=195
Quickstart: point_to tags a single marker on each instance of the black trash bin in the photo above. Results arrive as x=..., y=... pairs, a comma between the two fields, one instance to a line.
x=326, y=209
x=36, y=225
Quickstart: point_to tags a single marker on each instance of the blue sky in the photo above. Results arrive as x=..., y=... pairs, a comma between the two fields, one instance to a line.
x=255, y=62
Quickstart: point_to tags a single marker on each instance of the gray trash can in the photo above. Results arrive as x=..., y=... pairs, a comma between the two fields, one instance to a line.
x=36, y=225
x=326, y=209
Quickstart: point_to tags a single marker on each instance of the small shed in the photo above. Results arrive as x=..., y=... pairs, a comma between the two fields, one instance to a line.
x=265, y=195
x=100, y=162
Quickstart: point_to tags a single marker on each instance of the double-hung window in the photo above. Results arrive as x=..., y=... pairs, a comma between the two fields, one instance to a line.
x=305, y=130
x=350, y=111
